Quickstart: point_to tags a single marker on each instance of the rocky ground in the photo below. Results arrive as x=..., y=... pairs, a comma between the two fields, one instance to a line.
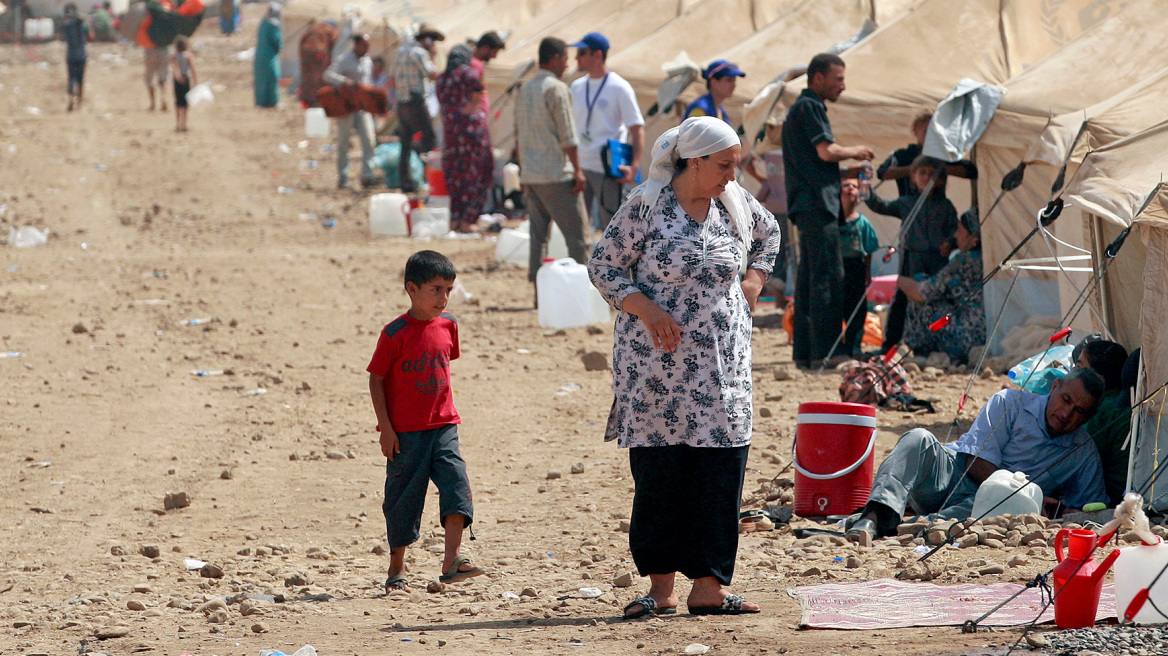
x=148, y=509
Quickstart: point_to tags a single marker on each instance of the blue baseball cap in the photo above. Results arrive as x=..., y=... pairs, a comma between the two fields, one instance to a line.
x=722, y=68
x=593, y=41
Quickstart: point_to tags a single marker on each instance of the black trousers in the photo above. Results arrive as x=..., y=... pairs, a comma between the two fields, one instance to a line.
x=855, y=285
x=412, y=117
x=818, y=294
x=685, y=509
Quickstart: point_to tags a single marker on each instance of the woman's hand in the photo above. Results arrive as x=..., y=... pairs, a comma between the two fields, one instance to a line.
x=911, y=289
x=752, y=284
x=662, y=328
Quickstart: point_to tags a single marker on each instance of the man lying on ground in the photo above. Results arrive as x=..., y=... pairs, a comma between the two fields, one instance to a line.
x=1016, y=430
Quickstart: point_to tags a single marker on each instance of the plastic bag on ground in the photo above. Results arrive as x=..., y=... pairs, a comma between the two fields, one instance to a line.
x=27, y=236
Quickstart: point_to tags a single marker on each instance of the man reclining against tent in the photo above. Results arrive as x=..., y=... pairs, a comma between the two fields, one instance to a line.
x=1016, y=430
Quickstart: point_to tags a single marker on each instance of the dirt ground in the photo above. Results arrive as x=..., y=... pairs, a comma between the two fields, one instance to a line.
x=101, y=417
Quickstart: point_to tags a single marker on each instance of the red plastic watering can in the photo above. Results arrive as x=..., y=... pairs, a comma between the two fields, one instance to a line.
x=1078, y=579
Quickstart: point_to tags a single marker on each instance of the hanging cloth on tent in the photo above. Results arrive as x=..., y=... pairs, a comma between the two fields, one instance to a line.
x=960, y=119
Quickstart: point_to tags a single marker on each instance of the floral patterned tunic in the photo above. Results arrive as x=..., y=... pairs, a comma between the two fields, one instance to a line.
x=700, y=394
x=948, y=292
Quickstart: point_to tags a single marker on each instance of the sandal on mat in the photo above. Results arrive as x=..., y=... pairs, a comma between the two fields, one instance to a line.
x=649, y=606
x=731, y=605
x=397, y=583
x=453, y=575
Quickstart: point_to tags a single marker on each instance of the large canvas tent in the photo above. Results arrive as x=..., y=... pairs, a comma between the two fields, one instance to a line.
x=1121, y=184
x=1112, y=61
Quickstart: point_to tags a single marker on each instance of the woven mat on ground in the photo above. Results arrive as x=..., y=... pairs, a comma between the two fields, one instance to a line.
x=892, y=604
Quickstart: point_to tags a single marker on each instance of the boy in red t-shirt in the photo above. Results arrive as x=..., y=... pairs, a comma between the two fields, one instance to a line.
x=409, y=382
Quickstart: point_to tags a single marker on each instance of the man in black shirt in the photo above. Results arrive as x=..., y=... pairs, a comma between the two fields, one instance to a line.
x=811, y=160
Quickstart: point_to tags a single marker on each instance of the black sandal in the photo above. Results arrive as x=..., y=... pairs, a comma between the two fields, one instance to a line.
x=397, y=583
x=649, y=606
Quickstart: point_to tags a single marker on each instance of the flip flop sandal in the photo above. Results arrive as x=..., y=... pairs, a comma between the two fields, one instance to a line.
x=453, y=575
x=755, y=523
x=397, y=583
x=731, y=605
x=649, y=606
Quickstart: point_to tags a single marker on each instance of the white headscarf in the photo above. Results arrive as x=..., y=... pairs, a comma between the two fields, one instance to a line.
x=696, y=137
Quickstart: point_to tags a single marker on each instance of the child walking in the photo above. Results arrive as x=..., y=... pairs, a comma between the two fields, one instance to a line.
x=409, y=384
x=183, y=67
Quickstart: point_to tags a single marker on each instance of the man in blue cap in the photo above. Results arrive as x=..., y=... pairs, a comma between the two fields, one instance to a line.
x=721, y=77
x=605, y=109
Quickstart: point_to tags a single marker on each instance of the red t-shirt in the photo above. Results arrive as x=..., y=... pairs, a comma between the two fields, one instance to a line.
x=414, y=359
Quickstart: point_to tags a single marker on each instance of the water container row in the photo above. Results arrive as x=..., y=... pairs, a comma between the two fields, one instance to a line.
x=38, y=29
x=395, y=215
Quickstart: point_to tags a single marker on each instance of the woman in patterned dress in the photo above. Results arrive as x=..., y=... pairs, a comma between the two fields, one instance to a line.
x=670, y=261
x=954, y=291
x=467, y=162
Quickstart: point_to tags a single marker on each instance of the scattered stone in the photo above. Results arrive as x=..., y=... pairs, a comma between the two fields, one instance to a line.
x=441, y=642
x=176, y=500
x=812, y=571
x=553, y=474
x=968, y=540
x=853, y=562
x=936, y=536
x=865, y=538
x=434, y=585
x=938, y=359
x=107, y=632
x=119, y=550
x=1018, y=561
x=210, y=571
x=150, y=550
x=987, y=373
x=380, y=549
x=134, y=604
x=623, y=581
x=153, y=612
x=578, y=468
x=594, y=361
x=79, y=328
x=260, y=627
x=771, y=398
x=250, y=607
x=218, y=617
x=143, y=588
x=994, y=543
x=335, y=455
x=1036, y=640
x=764, y=412
x=625, y=526
x=226, y=475
x=528, y=592
x=990, y=570
x=297, y=579
x=246, y=551
x=919, y=571
x=912, y=367
x=783, y=373
x=211, y=606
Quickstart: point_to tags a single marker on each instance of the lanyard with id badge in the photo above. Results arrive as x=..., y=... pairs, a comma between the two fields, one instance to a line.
x=590, y=102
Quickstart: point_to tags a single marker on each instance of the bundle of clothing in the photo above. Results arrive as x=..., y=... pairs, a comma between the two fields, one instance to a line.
x=873, y=381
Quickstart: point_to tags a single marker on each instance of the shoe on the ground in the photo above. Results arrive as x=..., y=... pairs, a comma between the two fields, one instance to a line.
x=862, y=531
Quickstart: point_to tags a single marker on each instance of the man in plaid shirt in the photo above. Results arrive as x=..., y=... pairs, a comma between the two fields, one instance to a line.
x=413, y=71
x=548, y=163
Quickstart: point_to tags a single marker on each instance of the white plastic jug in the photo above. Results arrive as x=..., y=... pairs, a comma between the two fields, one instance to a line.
x=515, y=244
x=998, y=486
x=1134, y=570
x=510, y=177
x=429, y=222
x=438, y=201
x=316, y=124
x=388, y=215
x=567, y=298
x=32, y=29
x=44, y=29
x=199, y=94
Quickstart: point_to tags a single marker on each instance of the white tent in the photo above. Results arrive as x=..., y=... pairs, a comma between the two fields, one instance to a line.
x=1101, y=62
x=1121, y=184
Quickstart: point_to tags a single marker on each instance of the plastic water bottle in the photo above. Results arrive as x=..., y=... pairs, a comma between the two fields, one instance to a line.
x=865, y=177
x=10, y=354
x=1000, y=484
x=1048, y=367
x=197, y=321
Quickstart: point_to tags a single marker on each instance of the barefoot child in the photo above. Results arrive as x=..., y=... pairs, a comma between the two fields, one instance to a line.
x=409, y=383
x=183, y=68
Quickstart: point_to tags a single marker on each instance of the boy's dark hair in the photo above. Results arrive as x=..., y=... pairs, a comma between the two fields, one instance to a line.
x=424, y=266
x=822, y=63
x=922, y=118
x=1106, y=359
x=550, y=47
x=379, y=60
x=1092, y=384
x=180, y=44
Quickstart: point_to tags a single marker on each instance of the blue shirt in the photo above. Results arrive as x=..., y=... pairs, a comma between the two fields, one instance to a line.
x=704, y=106
x=1010, y=432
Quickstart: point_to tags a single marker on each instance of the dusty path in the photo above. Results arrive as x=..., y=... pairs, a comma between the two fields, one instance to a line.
x=101, y=416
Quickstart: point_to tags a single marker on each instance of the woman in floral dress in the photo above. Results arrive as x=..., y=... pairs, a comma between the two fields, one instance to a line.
x=954, y=291
x=670, y=261
x=467, y=162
